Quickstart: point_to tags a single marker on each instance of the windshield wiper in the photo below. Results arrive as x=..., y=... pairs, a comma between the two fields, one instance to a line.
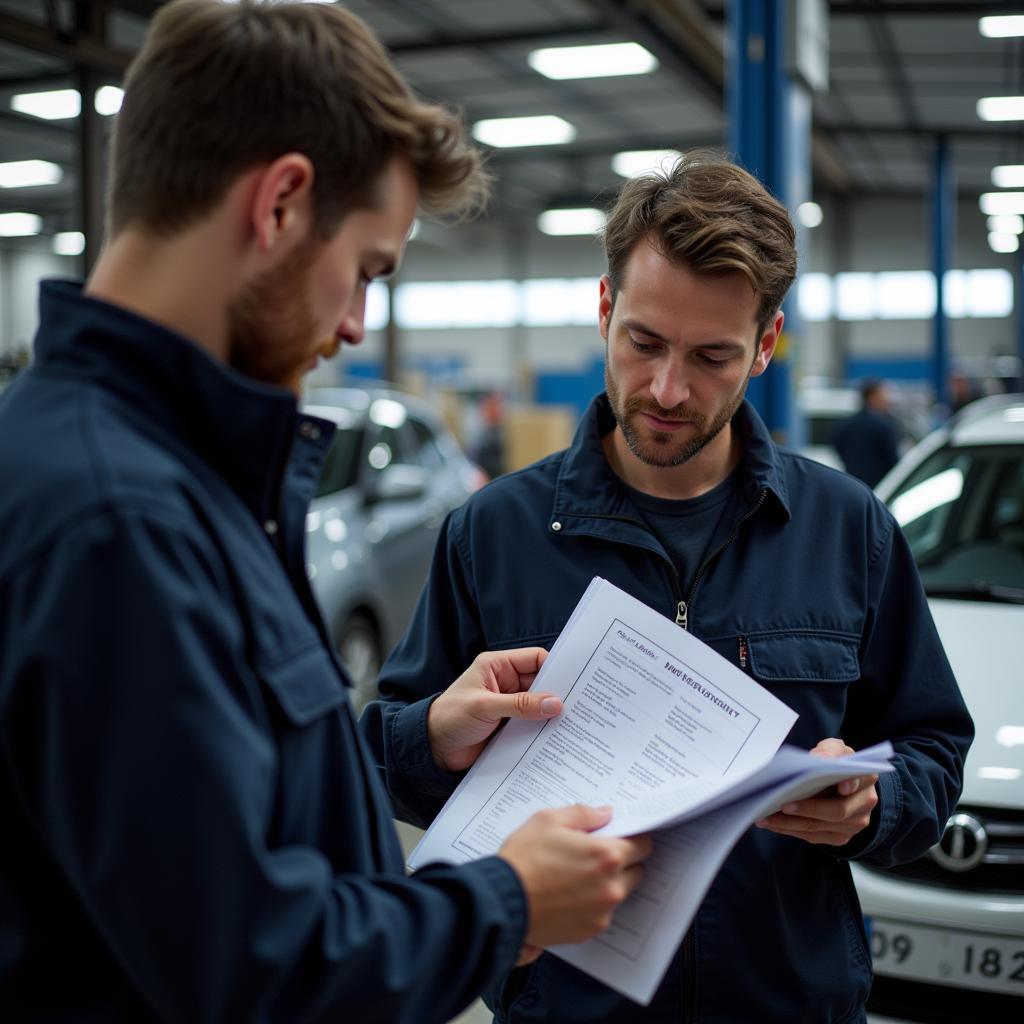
x=977, y=590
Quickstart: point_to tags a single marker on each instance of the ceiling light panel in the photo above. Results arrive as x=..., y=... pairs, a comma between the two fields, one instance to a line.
x=1001, y=108
x=54, y=105
x=542, y=130
x=631, y=163
x=605, y=60
x=20, y=225
x=1001, y=26
x=29, y=174
x=580, y=221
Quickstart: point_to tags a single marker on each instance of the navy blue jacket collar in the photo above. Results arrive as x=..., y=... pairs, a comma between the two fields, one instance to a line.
x=244, y=428
x=587, y=486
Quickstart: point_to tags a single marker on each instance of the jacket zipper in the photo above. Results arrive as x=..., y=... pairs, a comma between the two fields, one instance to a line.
x=689, y=965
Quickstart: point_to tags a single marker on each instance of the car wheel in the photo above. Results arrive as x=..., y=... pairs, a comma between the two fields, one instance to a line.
x=359, y=649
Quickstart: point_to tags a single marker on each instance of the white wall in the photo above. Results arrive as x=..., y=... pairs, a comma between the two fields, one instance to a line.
x=23, y=264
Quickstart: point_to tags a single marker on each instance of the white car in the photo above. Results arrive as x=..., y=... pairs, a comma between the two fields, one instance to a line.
x=947, y=931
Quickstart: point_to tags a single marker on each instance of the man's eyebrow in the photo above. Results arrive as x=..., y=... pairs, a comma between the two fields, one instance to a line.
x=724, y=345
x=641, y=328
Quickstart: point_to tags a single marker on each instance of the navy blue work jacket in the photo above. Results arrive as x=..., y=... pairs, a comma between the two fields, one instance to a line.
x=812, y=590
x=191, y=829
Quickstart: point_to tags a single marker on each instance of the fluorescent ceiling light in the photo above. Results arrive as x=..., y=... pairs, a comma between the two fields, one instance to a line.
x=1007, y=224
x=543, y=130
x=631, y=163
x=1001, y=108
x=64, y=104
x=809, y=214
x=69, y=243
x=108, y=99
x=55, y=105
x=29, y=173
x=1003, y=243
x=995, y=203
x=1001, y=26
x=1008, y=176
x=18, y=225
x=583, y=221
x=604, y=60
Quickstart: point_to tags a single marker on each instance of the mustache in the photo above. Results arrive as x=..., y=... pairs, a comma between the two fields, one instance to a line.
x=677, y=412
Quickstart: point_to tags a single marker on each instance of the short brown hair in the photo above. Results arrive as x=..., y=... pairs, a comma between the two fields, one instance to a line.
x=714, y=217
x=219, y=88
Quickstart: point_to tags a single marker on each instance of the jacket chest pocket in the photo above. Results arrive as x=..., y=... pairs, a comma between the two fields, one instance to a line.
x=304, y=686
x=803, y=657
x=811, y=673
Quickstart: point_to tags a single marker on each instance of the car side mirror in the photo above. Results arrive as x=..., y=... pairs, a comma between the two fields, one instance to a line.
x=398, y=482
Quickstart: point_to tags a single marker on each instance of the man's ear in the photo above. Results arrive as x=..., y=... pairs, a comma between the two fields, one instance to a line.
x=281, y=207
x=604, y=306
x=766, y=345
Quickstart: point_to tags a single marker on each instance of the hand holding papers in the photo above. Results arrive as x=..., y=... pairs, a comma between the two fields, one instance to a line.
x=675, y=738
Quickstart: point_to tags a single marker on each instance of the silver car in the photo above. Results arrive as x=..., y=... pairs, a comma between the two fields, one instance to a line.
x=391, y=476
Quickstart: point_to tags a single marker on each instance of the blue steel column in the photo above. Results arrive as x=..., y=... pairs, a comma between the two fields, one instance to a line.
x=943, y=232
x=769, y=134
x=1020, y=318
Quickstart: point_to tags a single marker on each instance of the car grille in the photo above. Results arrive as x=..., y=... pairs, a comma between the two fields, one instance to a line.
x=1000, y=868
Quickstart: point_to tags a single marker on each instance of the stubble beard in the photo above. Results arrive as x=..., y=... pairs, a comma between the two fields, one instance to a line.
x=660, y=448
x=271, y=324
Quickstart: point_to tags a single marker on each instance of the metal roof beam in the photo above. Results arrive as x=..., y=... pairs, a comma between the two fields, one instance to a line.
x=81, y=52
x=483, y=40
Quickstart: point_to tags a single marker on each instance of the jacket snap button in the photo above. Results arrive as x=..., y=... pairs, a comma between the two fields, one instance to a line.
x=309, y=430
x=556, y=526
x=270, y=526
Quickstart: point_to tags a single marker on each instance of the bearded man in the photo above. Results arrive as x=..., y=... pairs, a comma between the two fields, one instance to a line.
x=193, y=830
x=674, y=491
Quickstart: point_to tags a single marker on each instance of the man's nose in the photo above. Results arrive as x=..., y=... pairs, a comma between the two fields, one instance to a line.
x=353, y=324
x=669, y=386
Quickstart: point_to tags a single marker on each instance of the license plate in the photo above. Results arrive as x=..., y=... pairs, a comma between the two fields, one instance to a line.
x=945, y=956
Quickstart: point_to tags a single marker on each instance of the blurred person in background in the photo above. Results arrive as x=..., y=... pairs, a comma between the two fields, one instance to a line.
x=868, y=442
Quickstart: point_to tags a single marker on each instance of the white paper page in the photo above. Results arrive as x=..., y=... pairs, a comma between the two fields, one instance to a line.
x=634, y=953
x=646, y=706
x=700, y=796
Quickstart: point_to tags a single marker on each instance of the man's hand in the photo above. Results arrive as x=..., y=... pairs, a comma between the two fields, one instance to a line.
x=573, y=881
x=834, y=816
x=494, y=687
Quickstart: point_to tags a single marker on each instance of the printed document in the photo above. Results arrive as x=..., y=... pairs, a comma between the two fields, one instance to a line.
x=676, y=739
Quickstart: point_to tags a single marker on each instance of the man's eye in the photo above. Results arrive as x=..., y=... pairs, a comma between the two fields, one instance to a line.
x=712, y=361
x=641, y=346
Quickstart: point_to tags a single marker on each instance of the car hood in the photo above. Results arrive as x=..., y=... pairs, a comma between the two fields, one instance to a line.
x=981, y=640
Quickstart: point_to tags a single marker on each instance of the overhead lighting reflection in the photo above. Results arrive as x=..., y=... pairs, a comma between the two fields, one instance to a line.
x=1010, y=736
x=928, y=495
x=1001, y=774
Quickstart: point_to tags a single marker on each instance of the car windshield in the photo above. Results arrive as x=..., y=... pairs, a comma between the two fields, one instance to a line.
x=341, y=465
x=962, y=511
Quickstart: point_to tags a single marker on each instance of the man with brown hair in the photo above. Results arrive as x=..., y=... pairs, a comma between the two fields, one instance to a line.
x=674, y=491
x=193, y=830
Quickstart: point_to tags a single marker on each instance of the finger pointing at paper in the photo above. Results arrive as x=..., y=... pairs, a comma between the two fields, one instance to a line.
x=494, y=687
x=834, y=816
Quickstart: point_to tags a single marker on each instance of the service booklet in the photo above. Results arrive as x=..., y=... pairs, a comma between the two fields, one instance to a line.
x=676, y=739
